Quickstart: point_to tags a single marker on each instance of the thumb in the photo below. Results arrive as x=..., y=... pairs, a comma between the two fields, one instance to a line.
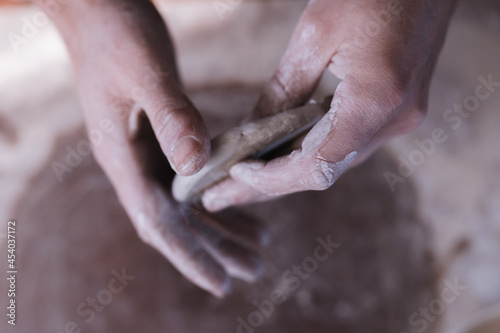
x=359, y=109
x=178, y=128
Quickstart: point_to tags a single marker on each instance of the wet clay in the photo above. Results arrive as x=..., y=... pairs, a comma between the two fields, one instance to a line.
x=252, y=139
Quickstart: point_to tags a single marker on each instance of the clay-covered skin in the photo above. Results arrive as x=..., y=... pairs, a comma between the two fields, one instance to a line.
x=72, y=235
x=128, y=82
x=384, y=52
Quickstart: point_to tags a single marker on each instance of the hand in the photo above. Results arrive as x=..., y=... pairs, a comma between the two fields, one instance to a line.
x=384, y=51
x=127, y=77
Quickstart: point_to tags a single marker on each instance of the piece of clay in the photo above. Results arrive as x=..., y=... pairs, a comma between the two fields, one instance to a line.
x=250, y=140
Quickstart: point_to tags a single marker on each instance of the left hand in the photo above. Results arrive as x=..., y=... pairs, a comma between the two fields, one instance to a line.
x=127, y=76
x=384, y=51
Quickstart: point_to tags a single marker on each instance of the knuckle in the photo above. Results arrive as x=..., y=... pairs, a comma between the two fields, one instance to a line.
x=290, y=84
x=324, y=173
x=280, y=81
x=121, y=108
x=164, y=111
x=164, y=104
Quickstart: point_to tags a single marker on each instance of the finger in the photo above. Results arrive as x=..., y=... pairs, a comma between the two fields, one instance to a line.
x=231, y=193
x=357, y=112
x=159, y=224
x=237, y=260
x=156, y=217
x=290, y=174
x=238, y=226
x=157, y=90
x=178, y=128
x=308, y=54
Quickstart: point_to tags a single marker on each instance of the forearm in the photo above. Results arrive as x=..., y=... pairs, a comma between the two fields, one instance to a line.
x=76, y=18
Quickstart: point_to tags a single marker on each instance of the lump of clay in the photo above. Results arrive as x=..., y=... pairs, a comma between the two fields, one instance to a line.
x=250, y=140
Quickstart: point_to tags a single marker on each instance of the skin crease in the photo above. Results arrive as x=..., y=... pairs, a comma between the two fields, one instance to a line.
x=385, y=69
x=126, y=73
x=116, y=45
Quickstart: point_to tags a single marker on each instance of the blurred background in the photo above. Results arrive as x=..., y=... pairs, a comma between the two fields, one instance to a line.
x=420, y=254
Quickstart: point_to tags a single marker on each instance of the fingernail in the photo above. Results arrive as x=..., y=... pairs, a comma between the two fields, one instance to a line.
x=187, y=155
x=242, y=167
x=212, y=202
x=237, y=169
x=245, y=170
